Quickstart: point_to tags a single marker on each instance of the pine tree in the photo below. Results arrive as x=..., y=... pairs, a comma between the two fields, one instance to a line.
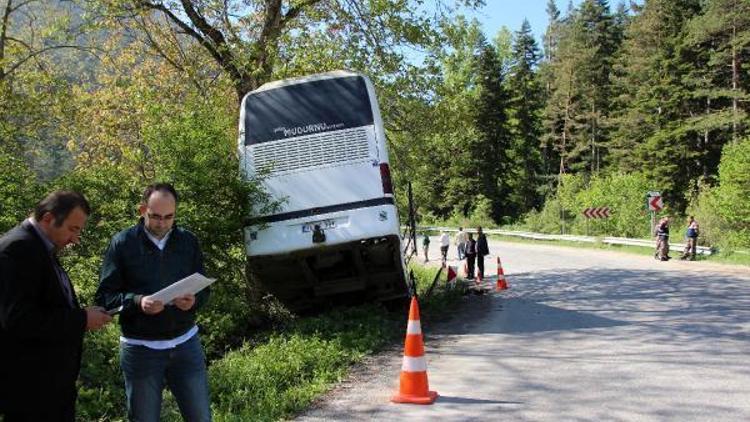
x=652, y=99
x=579, y=88
x=490, y=151
x=525, y=108
x=722, y=34
x=549, y=156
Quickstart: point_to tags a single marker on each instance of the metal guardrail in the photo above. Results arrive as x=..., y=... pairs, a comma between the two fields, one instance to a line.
x=649, y=243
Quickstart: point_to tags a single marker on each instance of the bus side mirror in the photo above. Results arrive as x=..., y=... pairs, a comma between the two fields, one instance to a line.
x=318, y=236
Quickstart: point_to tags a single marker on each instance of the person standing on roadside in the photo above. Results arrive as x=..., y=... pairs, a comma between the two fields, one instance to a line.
x=445, y=242
x=426, y=246
x=471, y=255
x=159, y=343
x=662, y=240
x=692, y=240
x=41, y=322
x=461, y=240
x=482, y=250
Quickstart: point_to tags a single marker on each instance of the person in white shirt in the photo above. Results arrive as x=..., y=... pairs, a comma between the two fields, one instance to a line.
x=159, y=345
x=445, y=242
x=461, y=239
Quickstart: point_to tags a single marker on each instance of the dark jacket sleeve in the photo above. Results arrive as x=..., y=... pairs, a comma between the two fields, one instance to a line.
x=111, y=292
x=22, y=314
x=482, y=247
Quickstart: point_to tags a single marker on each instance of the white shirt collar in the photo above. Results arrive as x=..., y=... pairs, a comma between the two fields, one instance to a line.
x=48, y=243
x=160, y=243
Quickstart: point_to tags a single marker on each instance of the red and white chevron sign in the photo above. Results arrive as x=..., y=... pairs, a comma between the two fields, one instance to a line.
x=655, y=203
x=598, y=212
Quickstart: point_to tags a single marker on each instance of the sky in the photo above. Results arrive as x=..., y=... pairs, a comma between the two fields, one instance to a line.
x=511, y=13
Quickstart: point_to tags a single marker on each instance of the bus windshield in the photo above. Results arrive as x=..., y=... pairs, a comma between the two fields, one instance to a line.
x=306, y=108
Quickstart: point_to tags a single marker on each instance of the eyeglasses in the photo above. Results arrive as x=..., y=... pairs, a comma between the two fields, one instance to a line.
x=159, y=217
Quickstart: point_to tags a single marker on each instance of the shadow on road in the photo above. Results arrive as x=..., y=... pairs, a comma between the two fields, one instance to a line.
x=707, y=307
x=466, y=400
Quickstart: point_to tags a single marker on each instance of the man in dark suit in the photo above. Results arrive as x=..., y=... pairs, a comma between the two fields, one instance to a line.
x=41, y=322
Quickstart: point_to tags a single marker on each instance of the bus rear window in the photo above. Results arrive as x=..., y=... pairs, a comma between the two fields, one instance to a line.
x=307, y=108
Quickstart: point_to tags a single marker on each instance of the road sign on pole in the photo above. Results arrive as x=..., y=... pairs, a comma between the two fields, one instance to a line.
x=655, y=202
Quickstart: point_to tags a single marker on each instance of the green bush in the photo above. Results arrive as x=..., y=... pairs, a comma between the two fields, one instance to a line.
x=732, y=194
x=101, y=393
x=624, y=194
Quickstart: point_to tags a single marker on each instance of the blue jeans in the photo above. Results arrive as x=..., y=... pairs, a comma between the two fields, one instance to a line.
x=182, y=368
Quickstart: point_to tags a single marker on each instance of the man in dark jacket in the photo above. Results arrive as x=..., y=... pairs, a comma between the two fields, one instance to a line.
x=482, y=250
x=41, y=322
x=159, y=341
x=471, y=255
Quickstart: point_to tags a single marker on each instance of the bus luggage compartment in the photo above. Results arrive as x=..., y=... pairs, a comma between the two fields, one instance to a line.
x=351, y=273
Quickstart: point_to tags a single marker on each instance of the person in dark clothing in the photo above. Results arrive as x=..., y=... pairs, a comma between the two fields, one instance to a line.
x=662, y=240
x=159, y=343
x=41, y=322
x=471, y=255
x=692, y=240
x=482, y=250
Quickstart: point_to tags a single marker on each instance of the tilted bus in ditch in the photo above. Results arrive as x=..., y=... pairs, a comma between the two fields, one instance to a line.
x=320, y=144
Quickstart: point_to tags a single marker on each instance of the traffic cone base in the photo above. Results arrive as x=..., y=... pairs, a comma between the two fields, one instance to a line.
x=502, y=284
x=405, y=398
x=413, y=385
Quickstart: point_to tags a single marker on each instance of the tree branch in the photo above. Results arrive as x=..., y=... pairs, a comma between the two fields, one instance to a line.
x=215, y=43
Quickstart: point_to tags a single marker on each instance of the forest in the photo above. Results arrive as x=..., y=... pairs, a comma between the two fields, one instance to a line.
x=616, y=100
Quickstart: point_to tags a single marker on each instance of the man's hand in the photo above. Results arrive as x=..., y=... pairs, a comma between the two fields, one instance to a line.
x=185, y=302
x=96, y=318
x=150, y=306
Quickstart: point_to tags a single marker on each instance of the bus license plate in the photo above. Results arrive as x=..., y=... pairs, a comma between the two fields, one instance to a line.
x=325, y=224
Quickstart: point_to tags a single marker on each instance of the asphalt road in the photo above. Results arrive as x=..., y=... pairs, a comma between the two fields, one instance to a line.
x=581, y=335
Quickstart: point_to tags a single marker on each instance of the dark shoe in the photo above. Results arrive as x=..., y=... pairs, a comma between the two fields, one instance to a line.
x=666, y=258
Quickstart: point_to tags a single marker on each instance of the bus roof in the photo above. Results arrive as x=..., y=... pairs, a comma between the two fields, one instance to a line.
x=308, y=78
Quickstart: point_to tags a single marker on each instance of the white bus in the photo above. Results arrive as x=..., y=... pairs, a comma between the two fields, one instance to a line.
x=320, y=143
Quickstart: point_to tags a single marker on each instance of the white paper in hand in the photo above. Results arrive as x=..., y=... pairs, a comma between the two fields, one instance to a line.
x=191, y=284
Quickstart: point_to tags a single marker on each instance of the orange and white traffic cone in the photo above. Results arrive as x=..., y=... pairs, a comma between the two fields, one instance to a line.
x=502, y=284
x=414, y=387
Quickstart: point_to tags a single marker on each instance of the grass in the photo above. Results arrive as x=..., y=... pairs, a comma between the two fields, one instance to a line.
x=281, y=372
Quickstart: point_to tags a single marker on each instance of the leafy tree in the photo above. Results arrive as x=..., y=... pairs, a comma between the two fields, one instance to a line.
x=33, y=37
x=437, y=159
x=734, y=189
x=246, y=39
x=19, y=190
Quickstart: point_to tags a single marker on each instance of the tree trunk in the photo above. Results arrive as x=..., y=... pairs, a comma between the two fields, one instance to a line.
x=735, y=75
